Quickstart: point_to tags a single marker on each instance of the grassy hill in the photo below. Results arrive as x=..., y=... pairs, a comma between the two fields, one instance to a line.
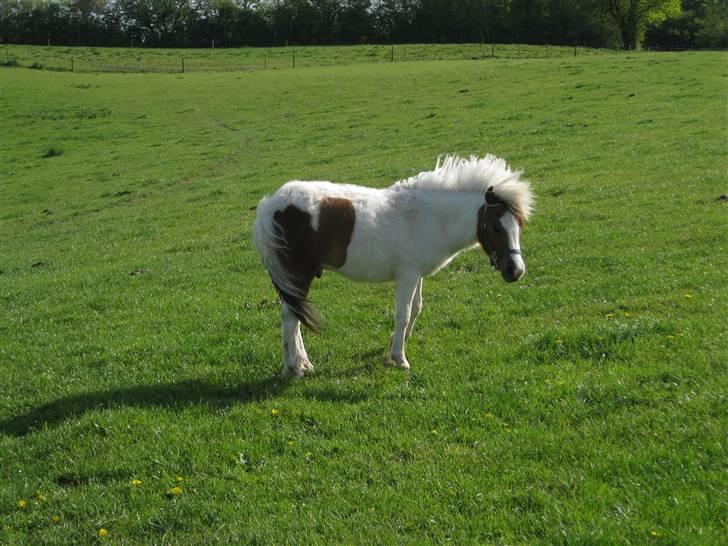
x=139, y=334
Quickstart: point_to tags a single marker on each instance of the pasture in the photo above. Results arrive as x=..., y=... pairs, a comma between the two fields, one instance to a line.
x=139, y=333
x=106, y=59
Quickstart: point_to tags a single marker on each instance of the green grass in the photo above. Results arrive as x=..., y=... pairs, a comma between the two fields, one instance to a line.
x=104, y=59
x=139, y=334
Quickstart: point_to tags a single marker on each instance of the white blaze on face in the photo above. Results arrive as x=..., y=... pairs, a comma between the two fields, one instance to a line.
x=513, y=229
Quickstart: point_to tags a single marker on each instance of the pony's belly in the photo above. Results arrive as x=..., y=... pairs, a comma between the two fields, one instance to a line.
x=365, y=271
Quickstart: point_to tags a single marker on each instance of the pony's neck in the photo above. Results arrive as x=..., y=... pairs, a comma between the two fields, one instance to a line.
x=456, y=215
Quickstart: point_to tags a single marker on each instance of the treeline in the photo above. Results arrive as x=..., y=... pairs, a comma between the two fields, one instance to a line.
x=233, y=23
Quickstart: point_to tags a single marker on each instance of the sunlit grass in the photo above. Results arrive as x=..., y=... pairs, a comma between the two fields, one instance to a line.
x=139, y=334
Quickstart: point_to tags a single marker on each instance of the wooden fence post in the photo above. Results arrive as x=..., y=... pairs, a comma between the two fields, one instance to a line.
x=71, y=63
x=183, y=65
x=294, y=58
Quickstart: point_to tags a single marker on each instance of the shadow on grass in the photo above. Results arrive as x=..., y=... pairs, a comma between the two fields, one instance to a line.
x=168, y=395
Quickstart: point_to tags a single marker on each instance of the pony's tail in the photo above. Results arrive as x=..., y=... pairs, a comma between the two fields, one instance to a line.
x=269, y=240
x=303, y=310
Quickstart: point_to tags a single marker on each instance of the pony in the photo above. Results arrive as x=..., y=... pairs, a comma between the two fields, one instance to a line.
x=401, y=233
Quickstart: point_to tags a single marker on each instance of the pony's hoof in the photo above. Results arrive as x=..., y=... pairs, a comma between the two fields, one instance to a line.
x=291, y=373
x=306, y=365
x=399, y=362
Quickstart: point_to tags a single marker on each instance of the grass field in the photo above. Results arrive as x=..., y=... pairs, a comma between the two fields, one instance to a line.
x=104, y=59
x=139, y=334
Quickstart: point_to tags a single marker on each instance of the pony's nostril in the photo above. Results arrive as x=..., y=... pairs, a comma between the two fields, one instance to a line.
x=513, y=270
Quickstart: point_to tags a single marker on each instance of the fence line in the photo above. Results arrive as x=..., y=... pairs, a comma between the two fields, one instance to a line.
x=248, y=59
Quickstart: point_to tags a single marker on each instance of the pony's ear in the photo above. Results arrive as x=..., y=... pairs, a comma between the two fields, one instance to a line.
x=490, y=197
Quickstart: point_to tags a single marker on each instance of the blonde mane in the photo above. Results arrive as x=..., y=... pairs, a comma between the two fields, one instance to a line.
x=475, y=175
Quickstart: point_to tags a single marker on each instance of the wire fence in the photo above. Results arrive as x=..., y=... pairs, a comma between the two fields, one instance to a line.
x=138, y=60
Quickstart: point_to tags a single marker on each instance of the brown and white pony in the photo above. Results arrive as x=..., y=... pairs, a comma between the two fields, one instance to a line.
x=400, y=233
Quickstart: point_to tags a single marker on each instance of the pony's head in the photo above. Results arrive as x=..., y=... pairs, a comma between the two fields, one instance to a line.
x=500, y=221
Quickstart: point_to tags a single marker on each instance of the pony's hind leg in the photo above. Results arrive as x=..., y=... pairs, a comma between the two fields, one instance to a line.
x=295, y=359
x=405, y=288
x=306, y=365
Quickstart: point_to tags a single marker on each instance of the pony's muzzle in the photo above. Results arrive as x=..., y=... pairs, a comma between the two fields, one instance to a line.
x=513, y=268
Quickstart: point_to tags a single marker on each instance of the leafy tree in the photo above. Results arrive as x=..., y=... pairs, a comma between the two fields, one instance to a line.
x=713, y=24
x=356, y=24
x=157, y=22
x=633, y=16
x=393, y=19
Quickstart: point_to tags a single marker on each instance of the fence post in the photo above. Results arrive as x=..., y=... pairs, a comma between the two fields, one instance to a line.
x=265, y=62
x=575, y=46
x=141, y=64
x=294, y=58
x=405, y=53
x=71, y=63
x=183, y=65
x=391, y=57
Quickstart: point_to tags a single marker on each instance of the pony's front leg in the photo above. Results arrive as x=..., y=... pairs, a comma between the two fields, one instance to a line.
x=416, y=308
x=295, y=359
x=405, y=288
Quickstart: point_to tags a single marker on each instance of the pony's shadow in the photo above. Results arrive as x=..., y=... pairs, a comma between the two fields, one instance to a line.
x=167, y=395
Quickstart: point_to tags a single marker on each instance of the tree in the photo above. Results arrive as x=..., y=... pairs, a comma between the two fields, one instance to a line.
x=355, y=21
x=633, y=16
x=158, y=22
x=713, y=24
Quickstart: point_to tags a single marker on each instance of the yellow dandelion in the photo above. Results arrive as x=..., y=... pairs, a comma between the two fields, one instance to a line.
x=174, y=491
x=103, y=533
x=40, y=497
x=308, y=454
x=180, y=479
x=609, y=315
x=22, y=504
x=655, y=534
x=56, y=519
x=136, y=483
x=489, y=416
x=433, y=431
x=627, y=314
x=275, y=412
x=688, y=296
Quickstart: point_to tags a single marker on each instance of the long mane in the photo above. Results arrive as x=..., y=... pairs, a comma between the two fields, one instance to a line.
x=475, y=175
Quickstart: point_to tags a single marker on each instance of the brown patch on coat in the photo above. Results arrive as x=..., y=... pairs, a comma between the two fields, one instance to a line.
x=308, y=250
x=336, y=226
